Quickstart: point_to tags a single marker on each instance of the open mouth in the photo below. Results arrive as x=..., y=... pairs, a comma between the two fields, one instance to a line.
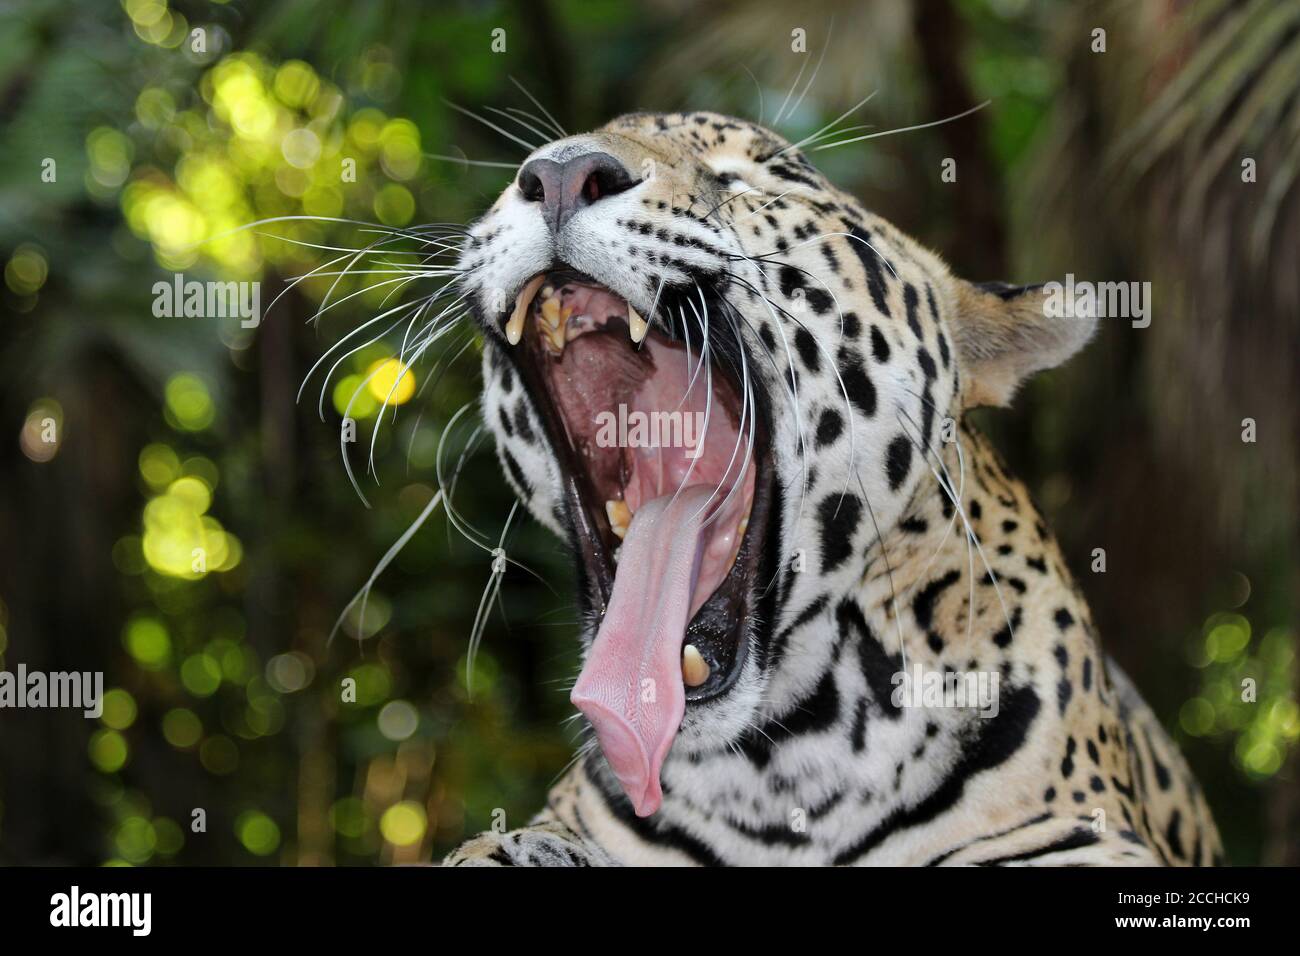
x=668, y=496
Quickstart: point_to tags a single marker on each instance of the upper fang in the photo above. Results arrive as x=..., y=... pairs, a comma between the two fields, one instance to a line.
x=515, y=324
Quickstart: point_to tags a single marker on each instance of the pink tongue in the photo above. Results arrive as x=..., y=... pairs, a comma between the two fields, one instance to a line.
x=631, y=686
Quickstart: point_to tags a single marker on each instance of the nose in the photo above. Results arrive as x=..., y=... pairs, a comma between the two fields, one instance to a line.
x=565, y=187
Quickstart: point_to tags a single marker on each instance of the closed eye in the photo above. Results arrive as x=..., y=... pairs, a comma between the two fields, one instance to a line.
x=731, y=179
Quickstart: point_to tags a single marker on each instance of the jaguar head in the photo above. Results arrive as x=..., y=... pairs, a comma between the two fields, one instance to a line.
x=720, y=380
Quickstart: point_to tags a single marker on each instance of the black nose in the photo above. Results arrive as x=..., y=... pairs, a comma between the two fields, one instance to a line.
x=564, y=188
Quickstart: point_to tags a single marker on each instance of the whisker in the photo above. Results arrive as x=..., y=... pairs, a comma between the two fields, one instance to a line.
x=972, y=538
x=545, y=112
x=808, y=139
x=491, y=125
x=791, y=383
x=817, y=69
x=889, y=570
x=384, y=562
x=466, y=161
x=904, y=129
x=493, y=589
x=785, y=102
x=515, y=119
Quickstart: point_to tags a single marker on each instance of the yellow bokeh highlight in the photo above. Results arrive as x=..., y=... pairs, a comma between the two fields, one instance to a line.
x=135, y=839
x=257, y=832
x=400, y=152
x=394, y=205
x=264, y=140
x=154, y=107
x=296, y=84
x=169, y=836
x=201, y=675
x=404, y=824
x=146, y=639
x=188, y=402
x=352, y=397
x=390, y=382
x=1227, y=638
x=26, y=270
x=108, y=750
x=110, y=154
x=182, y=543
x=119, y=709
x=145, y=13
x=159, y=465
x=192, y=492
x=182, y=728
x=301, y=148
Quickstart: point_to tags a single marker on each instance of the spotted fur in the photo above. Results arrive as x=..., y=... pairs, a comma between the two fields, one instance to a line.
x=901, y=538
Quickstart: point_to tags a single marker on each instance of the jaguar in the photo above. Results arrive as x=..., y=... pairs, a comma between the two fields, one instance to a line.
x=834, y=629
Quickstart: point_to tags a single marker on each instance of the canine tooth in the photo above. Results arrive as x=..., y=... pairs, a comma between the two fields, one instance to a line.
x=620, y=516
x=515, y=329
x=637, y=325
x=695, y=670
x=515, y=324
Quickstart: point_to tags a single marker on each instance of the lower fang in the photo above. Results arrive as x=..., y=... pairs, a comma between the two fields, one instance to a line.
x=636, y=325
x=620, y=516
x=695, y=670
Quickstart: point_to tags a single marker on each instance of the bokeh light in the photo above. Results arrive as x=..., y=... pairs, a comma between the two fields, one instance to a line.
x=108, y=750
x=257, y=832
x=391, y=382
x=403, y=824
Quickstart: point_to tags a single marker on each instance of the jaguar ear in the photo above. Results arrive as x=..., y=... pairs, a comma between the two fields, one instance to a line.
x=1004, y=334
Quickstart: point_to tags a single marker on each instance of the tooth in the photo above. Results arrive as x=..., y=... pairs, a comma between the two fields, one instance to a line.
x=551, y=312
x=620, y=516
x=515, y=324
x=637, y=325
x=553, y=338
x=695, y=670
x=515, y=329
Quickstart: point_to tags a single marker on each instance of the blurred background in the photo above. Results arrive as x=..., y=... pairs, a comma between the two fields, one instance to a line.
x=1116, y=156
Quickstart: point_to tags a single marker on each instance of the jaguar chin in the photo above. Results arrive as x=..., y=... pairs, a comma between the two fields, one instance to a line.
x=749, y=600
